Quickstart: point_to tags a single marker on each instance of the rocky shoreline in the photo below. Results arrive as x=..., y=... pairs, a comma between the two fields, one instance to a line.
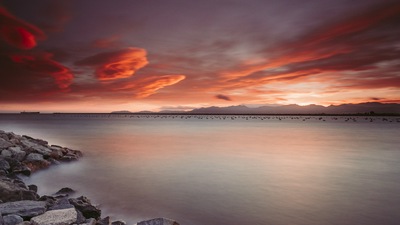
x=20, y=204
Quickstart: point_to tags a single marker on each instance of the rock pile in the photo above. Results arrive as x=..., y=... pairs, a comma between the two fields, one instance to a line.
x=20, y=204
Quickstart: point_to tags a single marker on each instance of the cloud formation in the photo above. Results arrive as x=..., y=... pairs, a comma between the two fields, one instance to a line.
x=223, y=97
x=17, y=32
x=43, y=65
x=116, y=64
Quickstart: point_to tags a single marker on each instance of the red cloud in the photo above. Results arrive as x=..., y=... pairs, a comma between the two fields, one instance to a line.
x=148, y=86
x=117, y=64
x=43, y=65
x=17, y=32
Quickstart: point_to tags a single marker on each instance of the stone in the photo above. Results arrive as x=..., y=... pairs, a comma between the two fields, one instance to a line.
x=12, y=219
x=1, y=220
x=4, y=165
x=36, y=147
x=33, y=188
x=10, y=191
x=90, y=221
x=56, y=217
x=104, y=221
x=25, y=223
x=65, y=190
x=26, y=208
x=17, y=153
x=61, y=204
x=6, y=153
x=81, y=219
x=22, y=169
x=118, y=222
x=4, y=144
x=84, y=205
x=35, y=161
x=158, y=221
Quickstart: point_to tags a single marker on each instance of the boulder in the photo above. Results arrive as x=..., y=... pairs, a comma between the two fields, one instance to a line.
x=17, y=153
x=65, y=190
x=10, y=191
x=90, y=221
x=36, y=162
x=33, y=188
x=12, y=219
x=56, y=217
x=5, y=144
x=118, y=222
x=25, y=208
x=158, y=221
x=61, y=204
x=4, y=165
x=6, y=153
x=43, y=150
x=104, y=221
x=84, y=205
x=21, y=169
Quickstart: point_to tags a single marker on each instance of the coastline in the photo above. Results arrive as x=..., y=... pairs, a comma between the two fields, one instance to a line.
x=21, y=155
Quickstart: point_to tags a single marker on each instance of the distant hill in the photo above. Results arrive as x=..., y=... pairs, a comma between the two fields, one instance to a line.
x=368, y=107
x=122, y=111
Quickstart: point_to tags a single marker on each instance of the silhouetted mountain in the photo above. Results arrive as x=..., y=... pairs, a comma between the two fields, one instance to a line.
x=122, y=111
x=309, y=109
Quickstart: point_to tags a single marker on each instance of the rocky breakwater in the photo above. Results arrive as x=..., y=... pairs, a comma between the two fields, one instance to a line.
x=21, y=205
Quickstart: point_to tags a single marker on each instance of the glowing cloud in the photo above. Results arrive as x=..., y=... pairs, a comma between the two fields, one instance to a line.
x=43, y=65
x=17, y=32
x=117, y=64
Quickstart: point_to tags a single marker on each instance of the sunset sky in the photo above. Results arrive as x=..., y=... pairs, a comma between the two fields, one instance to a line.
x=101, y=56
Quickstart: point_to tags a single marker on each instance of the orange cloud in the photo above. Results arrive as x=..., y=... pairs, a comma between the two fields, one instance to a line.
x=150, y=85
x=118, y=64
x=17, y=32
x=44, y=65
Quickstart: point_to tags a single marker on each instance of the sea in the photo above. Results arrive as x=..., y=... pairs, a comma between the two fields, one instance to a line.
x=226, y=169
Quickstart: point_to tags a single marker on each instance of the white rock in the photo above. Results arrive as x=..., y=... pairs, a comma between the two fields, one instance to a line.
x=56, y=217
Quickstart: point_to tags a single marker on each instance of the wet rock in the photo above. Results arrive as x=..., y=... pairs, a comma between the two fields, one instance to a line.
x=158, y=221
x=104, y=221
x=49, y=200
x=26, y=208
x=10, y=191
x=33, y=188
x=36, y=162
x=90, y=221
x=5, y=144
x=4, y=165
x=17, y=153
x=118, y=222
x=61, y=204
x=65, y=190
x=81, y=219
x=56, y=217
x=12, y=219
x=34, y=147
x=22, y=169
x=84, y=205
x=6, y=153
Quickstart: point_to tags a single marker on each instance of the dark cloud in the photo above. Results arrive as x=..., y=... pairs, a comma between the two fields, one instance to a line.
x=17, y=32
x=223, y=97
x=116, y=64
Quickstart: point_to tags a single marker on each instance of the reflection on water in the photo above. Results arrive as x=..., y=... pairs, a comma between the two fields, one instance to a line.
x=229, y=171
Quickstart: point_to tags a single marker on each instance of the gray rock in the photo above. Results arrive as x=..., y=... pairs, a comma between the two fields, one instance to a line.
x=12, y=219
x=61, y=204
x=1, y=220
x=25, y=208
x=84, y=205
x=65, y=190
x=6, y=153
x=36, y=162
x=13, y=191
x=21, y=169
x=90, y=221
x=81, y=219
x=104, y=221
x=17, y=153
x=56, y=217
x=25, y=223
x=158, y=221
x=34, y=157
x=4, y=144
x=36, y=147
x=4, y=165
x=33, y=188
x=118, y=222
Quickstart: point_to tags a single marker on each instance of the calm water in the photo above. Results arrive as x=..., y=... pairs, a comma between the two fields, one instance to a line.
x=217, y=171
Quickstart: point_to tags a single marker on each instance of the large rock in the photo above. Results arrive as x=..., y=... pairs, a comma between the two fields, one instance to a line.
x=56, y=217
x=104, y=221
x=17, y=153
x=36, y=162
x=25, y=209
x=158, y=221
x=84, y=205
x=4, y=144
x=61, y=204
x=10, y=191
x=35, y=147
x=6, y=153
x=4, y=165
x=12, y=219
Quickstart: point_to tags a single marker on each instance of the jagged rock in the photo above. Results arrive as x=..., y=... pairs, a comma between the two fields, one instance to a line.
x=17, y=153
x=104, y=221
x=25, y=208
x=90, y=221
x=33, y=188
x=49, y=200
x=36, y=147
x=84, y=205
x=158, y=221
x=35, y=140
x=22, y=169
x=6, y=153
x=4, y=144
x=61, y=204
x=12, y=219
x=36, y=162
x=81, y=219
x=118, y=222
x=65, y=190
x=10, y=191
x=56, y=217
x=4, y=165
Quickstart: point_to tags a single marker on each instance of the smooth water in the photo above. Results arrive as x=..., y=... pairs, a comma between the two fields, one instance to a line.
x=227, y=170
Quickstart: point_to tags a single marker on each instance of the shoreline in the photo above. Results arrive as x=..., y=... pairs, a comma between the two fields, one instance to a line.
x=20, y=204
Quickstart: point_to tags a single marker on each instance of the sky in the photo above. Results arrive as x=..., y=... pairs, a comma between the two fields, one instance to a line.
x=102, y=56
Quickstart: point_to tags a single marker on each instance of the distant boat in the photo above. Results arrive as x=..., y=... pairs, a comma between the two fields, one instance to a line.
x=24, y=112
